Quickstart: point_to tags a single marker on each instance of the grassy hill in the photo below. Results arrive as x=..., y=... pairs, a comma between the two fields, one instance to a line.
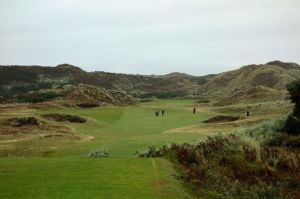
x=249, y=83
x=20, y=79
x=252, y=82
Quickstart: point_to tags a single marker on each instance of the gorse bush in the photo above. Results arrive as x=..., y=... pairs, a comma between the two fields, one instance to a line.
x=37, y=97
x=294, y=90
x=292, y=124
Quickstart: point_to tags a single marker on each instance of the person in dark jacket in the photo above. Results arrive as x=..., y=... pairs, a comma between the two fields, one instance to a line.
x=157, y=113
x=194, y=110
x=162, y=112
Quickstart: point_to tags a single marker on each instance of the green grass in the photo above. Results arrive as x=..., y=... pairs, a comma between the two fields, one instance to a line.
x=87, y=178
x=65, y=171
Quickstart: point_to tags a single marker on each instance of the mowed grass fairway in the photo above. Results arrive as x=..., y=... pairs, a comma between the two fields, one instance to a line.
x=64, y=170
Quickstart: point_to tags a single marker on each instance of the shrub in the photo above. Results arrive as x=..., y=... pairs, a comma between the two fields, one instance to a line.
x=294, y=90
x=285, y=140
x=17, y=122
x=293, y=141
x=292, y=125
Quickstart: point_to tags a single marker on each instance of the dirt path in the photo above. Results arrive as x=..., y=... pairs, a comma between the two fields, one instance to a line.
x=159, y=184
x=155, y=173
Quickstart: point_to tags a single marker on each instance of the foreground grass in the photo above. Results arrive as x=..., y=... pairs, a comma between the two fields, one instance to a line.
x=87, y=178
x=63, y=170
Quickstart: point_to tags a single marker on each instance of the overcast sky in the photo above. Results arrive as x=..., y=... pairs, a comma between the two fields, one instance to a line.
x=149, y=36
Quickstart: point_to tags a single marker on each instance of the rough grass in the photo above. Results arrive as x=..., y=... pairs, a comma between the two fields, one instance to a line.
x=244, y=157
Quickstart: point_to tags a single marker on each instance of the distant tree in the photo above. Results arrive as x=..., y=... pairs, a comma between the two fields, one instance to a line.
x=292, y=124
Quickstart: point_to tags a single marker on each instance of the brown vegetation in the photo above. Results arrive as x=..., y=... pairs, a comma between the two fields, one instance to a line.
x=59, y=117
x=23, y=133
x=241, y=165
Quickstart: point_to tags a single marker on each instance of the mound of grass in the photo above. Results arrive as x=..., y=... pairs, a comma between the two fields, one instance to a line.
x=18, y=122
x=221, y=118
x=251, y=83
x=60, y=117
x=91, y=96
